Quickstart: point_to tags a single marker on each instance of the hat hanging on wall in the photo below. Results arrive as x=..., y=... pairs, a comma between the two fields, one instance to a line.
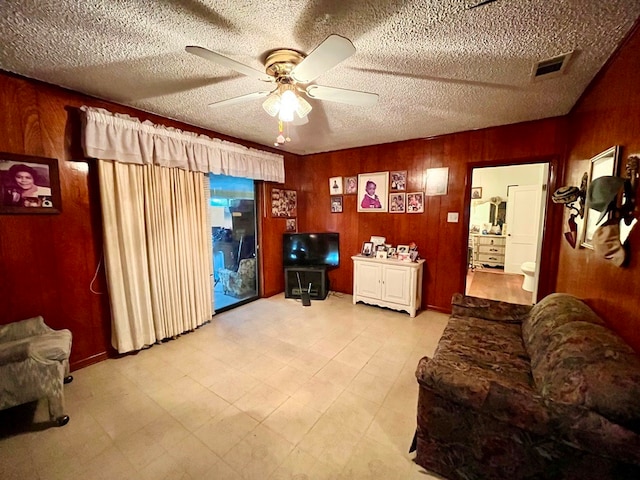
x=603, y=195
x=606, y=243
x=567, y=196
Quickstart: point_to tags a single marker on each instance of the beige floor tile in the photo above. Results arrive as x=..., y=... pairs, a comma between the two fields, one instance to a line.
x=259, y=454
x=292, y=420
x=338, y=373
x=261, y=401
x=333, y=386
x=318, y=394
x=224, y=431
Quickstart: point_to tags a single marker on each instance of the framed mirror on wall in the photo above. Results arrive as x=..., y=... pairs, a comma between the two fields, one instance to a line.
x=603, y=164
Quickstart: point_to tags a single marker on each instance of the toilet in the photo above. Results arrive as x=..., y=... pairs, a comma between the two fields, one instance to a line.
x=529, y=270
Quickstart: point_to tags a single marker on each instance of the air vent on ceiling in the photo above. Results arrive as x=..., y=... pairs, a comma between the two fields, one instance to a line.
x=551, y=67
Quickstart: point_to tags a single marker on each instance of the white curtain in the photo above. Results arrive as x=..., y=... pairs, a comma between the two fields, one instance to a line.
x=122, y=138
x=154, y=208
x=157, y=254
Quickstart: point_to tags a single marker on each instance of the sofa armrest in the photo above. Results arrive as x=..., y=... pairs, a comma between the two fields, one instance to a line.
x=511, y=404
x=23, y=329
x=13, y=352
x=468, y=306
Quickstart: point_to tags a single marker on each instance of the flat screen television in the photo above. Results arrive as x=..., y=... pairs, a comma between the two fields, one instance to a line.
x=311, y=249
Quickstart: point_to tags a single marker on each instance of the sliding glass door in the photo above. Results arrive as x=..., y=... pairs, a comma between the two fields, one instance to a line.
x=232, y=212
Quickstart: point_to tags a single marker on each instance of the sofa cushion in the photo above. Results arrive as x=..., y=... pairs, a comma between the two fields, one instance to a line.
x=549, y=313
x=586, y=364
x=467, y=306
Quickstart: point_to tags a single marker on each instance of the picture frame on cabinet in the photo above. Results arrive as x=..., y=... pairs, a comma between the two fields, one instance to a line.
x=402, y=249
x=381, y=254
x=29, y=185
x=367, y=249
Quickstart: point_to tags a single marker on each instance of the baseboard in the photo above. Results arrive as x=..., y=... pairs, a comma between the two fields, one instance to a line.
x=85, y=362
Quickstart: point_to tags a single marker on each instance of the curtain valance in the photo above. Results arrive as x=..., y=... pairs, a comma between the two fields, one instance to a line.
x=122, y=138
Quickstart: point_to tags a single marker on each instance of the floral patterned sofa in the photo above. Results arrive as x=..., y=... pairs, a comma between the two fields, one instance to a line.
x=521, y=392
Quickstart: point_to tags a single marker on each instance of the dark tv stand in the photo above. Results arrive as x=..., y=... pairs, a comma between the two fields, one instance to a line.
x=316, y=276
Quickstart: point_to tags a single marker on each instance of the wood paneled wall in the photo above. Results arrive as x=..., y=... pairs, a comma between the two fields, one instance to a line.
x=608, y=114
x=442, y=244
x=47, y=262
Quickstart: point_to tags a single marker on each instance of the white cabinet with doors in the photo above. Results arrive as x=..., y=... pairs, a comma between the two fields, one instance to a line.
x=388, y=283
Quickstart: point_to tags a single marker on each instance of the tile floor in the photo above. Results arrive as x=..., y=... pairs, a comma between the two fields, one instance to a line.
x=270, y=390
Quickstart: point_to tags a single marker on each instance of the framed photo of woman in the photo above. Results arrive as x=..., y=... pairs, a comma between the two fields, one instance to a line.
x=29, y=185
x=373, y=193
x=367, y=249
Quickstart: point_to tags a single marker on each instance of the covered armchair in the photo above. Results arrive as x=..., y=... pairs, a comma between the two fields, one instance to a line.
x=243, y=281
x=34, y=364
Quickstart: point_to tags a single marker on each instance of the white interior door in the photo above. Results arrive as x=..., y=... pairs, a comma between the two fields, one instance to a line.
x=523, y=226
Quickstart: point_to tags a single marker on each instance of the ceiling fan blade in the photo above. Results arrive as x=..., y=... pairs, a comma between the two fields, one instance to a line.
x=297, y=121
x=341, y=95
x=229, y=63
x=240, y=99
x=327, y=55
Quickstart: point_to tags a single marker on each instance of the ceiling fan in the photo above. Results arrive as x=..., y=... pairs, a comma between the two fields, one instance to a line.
x=292, y=73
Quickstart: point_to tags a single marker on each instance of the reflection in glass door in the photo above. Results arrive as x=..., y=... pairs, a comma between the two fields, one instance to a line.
x=233, y=229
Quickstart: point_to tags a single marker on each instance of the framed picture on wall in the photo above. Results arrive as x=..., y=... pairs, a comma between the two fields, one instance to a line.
x=603, y=164
x=476, y=193
x=284, y=203
x=291, y=225
x=415, y=202
x=351, y=185
x=336, y=203
x=335, y=186
x=397, y=202
x=398, y=181
x=373, y=192
x=437, y=181
x=29, y=185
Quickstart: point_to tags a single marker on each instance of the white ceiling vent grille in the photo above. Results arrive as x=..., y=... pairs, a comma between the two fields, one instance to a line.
x=551, y=67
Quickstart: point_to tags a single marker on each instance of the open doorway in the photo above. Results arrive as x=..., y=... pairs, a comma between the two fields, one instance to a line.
x=232, y=213
x=505, y=232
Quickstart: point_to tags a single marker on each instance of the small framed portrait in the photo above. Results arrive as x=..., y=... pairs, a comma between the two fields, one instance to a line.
x=29, y=185
x=367, y=249
x=397, y=202
x=437, y=181
x=335, y=186
x=398, y=181
x=391, y=252
x=402, y=249
x=415, y=202
x=291, y=225
x=476, y=193
x=336, y=203
x=413, y=255
x=284, y=203
x=350, y=185
x=373, y=192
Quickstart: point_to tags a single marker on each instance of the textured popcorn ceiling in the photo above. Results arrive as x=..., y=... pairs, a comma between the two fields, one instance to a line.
x=438, y=66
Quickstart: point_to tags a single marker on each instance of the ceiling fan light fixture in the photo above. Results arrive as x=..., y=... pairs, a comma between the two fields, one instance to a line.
x=304, y=107
x=272, y=104
x=288, y=105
